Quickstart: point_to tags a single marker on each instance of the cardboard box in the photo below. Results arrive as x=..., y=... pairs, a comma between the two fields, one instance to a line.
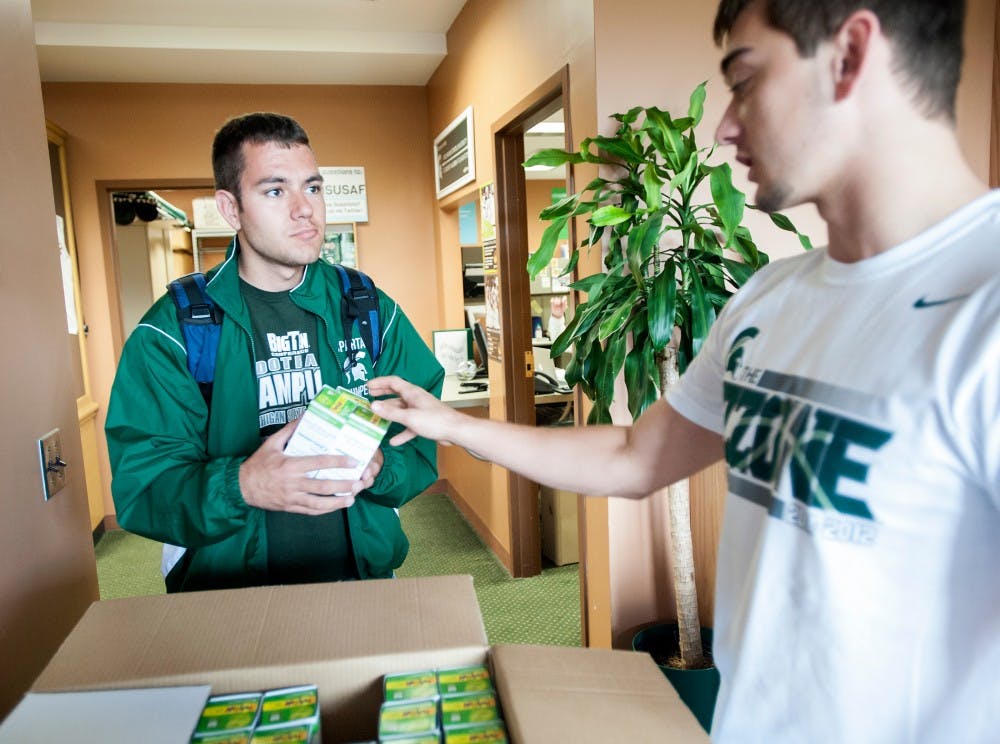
x=345, y=637
x=560, y=532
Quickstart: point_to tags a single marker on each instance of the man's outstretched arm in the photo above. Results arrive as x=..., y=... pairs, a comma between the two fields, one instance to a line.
x=632, y=461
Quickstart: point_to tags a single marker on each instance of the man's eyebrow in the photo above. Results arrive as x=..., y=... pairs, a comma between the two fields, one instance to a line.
x=314, y=178
x=729, y=58
x=271, y=179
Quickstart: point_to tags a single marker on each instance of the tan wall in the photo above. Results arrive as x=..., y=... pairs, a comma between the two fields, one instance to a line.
x=975, y=92
x=47, y=573
x=162, y=132
x=499, y=51
x=538, y=195
x=677, y=53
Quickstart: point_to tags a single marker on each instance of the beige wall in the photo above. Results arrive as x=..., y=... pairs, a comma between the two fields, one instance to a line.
x=47, y=573
x=164, y=132
x=499, y=52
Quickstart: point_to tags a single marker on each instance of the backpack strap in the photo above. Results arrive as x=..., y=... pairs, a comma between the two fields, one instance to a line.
x=361, y=304
x=201, y=325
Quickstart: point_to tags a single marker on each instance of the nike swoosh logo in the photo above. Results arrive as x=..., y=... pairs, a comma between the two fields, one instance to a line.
x=923, y=302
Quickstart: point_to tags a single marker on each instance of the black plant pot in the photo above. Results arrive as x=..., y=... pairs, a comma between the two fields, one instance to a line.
x=698, y=688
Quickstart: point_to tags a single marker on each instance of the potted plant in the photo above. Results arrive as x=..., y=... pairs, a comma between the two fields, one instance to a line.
x=672, y=262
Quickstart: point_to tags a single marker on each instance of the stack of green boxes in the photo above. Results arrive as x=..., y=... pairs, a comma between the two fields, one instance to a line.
x=290, y=714
x=453, y=706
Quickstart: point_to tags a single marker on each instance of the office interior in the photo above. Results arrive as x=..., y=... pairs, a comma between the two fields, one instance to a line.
x=515, y=62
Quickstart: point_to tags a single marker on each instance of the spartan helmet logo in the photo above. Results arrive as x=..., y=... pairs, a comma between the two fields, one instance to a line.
x=354, y=369
x=736, y=351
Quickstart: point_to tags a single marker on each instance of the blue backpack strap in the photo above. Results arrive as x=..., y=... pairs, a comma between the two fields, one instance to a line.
x=201, y=325
x=361, y=305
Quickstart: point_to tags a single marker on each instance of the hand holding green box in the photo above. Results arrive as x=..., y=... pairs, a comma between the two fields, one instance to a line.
x=337, y=422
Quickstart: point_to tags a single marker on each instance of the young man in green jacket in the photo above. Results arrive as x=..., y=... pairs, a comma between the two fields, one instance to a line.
x=212, y=481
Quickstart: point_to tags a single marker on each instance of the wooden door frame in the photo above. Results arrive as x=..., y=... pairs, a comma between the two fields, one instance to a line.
x=515, y=295
x=994, y=176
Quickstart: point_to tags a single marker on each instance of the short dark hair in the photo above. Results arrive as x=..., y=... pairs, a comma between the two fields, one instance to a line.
x=926, y=35
x=257, y=128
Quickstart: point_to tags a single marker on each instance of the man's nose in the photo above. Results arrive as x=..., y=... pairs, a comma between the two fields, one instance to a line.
x=302, y=206
x=728, y=130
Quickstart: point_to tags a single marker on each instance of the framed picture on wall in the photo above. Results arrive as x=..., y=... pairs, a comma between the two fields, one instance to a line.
x=455, y=155
x=452, y=347
x=340, y=245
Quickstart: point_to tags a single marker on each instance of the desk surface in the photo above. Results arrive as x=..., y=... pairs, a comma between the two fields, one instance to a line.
x=451, y=394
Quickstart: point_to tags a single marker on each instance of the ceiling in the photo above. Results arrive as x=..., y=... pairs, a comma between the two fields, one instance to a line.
x=334, y=42
x=313, y=42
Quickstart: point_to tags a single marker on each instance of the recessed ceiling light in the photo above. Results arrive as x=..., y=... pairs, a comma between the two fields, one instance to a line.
x=548, y=127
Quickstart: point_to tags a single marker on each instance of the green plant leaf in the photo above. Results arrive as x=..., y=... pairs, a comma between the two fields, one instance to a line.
x=682, y=179
x=586, y=156
x=786, y=224
x=552, y=158
x=609, y=215
x=615, y=321
x=629, y=116
x=584, y=323
x=571, y=264
x=610, y=365
x=565, y=339
x=590, y=284
x=738, y=270
x=642, y=390
x=538, y=260
x=660, y=129
x=662, y=301
x=641, y=241
x=696, y=107
x=594, y=235
x=560, y=208
x=702, y=312
x=599, y=414
x=728, y=200
x=618, y=148
x=652, y=184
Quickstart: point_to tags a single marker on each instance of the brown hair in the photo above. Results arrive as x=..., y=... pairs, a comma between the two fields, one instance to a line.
x=926, y=36
x=256, y=128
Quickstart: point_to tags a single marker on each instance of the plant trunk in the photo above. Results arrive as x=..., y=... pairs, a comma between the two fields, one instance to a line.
x=682, y=547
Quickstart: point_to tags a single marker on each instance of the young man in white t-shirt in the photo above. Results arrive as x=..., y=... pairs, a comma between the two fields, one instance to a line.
x=854, y=391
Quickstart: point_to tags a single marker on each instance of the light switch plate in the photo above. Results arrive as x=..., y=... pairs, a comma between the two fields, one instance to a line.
x=53, y=466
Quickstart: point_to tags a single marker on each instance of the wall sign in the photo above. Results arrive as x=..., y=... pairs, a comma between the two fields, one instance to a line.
x=491, y=269
x=455, y=155
x=345, y=193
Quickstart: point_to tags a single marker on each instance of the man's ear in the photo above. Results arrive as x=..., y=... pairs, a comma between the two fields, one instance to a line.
x=229, y=208
x=851, y=48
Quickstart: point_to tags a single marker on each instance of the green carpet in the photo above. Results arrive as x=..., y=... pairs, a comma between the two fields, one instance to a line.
x=128, y=565
x=543, y=609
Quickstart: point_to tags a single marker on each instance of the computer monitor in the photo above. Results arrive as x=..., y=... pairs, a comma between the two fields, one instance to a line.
x=480, y=337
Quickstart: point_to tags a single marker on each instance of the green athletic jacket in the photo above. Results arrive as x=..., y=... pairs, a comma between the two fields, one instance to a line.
x=175, y=466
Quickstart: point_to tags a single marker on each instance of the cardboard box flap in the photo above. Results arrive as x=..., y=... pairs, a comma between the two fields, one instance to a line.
x=341, y=637
x=144, y=638
x=554, y=693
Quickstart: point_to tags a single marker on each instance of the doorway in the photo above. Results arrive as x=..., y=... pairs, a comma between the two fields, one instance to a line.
x=509, y=137
x=150, y=239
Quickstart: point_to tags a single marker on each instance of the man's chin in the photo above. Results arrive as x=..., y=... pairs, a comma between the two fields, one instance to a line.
x=772, y=197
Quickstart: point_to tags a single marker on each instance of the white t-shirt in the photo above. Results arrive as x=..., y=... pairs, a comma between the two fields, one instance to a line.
x=856, y=598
